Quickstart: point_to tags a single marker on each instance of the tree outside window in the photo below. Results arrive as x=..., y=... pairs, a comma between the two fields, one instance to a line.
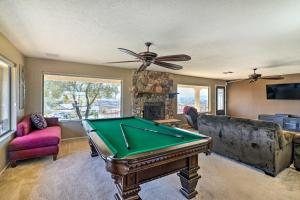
x=70, y=97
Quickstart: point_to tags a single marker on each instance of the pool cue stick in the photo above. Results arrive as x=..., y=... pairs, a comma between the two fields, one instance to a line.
x=124, y=136
x=157, y=132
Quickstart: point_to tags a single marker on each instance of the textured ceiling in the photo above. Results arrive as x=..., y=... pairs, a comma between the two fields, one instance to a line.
x=218, y=35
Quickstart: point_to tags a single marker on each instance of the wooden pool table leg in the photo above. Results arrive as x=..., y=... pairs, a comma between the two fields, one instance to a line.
x=94, y=153
x=128, y=187
x=189, y=178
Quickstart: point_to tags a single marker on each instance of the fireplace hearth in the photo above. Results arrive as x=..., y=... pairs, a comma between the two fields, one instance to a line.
x=154, y=110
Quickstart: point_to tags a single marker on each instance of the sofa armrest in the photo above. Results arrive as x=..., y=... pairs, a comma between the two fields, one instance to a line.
x=293, y=133
x=52, y=121
x=284, y=138
x=289, y=135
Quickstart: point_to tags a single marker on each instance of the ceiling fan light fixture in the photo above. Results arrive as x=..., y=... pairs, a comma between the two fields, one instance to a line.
x=148, y=58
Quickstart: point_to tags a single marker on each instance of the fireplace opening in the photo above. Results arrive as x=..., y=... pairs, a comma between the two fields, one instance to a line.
x=154, y=110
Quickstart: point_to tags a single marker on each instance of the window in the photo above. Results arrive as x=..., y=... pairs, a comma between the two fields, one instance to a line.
x=220, y=97
x=204, y=99
x=71, y=97
x=191, y=95
x=5, y=104
x=220, y=100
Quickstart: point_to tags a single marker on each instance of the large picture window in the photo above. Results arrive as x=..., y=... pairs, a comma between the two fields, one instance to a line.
x=72, y=97
x=193, y=95
x=5, y=103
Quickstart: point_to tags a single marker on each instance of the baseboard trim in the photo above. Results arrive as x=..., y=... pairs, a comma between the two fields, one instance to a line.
x=74, y=138
x=5, y=167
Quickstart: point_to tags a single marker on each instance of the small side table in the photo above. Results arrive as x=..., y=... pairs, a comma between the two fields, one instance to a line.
x=170, y=122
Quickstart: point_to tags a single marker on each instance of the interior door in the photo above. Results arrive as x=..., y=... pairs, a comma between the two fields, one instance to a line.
x=220, y=100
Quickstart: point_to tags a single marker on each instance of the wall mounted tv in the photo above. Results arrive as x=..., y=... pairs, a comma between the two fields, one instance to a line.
x=290, y=91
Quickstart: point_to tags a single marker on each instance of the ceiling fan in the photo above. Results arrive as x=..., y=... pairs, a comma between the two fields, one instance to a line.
x=255, y=76
x=147, y=58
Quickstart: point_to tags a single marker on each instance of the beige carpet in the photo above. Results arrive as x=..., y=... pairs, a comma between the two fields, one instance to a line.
x=77, y=176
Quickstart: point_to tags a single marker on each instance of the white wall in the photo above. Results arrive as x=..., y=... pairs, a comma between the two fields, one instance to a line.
x=249, y=100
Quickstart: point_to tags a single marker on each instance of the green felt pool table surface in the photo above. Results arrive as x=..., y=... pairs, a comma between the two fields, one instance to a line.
x=140, y=141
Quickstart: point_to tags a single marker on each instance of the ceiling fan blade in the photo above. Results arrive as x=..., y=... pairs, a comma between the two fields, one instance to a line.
x=273, y=77
x=131, y=53
x=128, y=61
x=142, y=68
x=179, y=57
x=168, y=65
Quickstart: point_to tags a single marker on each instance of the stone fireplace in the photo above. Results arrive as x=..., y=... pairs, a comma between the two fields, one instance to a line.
x=153, y=95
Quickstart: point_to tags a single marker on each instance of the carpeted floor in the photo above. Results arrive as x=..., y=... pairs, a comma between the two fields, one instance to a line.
x=77, y=176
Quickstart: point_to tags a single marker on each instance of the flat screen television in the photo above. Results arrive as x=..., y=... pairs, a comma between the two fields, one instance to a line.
x=289, y=91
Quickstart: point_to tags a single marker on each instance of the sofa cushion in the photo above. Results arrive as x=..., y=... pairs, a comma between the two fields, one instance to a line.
x=38, y=121
x=38, y=138
x=185, y=109
x=24, y=127
x=52, y=121
x=193, y=115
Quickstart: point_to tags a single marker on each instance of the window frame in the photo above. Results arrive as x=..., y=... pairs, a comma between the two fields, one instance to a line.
x=197, y=89
x=84, y=76
x=10, y=65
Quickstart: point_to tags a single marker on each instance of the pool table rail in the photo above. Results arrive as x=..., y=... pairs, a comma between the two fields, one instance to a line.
x=97, y=145
x=158, y=157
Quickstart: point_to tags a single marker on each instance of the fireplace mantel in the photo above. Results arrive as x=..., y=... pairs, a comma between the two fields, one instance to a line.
x=170, y=94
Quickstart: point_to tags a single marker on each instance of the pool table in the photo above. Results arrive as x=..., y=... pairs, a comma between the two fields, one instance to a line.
x=136, y=150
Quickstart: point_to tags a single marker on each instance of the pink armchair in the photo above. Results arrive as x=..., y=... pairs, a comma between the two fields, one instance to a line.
x=32, y=143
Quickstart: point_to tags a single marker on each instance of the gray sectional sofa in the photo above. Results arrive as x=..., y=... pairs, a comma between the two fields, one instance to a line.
x=260, y=144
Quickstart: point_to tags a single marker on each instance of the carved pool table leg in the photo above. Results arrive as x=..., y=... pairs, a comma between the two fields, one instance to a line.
x=94, y=153
x=128, y=187
x=189, y=178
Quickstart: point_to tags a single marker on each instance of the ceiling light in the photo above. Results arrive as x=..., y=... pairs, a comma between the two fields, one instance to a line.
x=228, y=72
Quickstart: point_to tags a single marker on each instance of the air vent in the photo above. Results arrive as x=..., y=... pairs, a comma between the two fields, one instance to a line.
x=52, y=55
x=228, y=72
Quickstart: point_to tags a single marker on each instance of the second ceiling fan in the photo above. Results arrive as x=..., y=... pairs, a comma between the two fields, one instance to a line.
x=147, y=58
x=255, y=76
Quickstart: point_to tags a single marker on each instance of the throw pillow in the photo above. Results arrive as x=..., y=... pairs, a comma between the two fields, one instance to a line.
x=38, y=121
